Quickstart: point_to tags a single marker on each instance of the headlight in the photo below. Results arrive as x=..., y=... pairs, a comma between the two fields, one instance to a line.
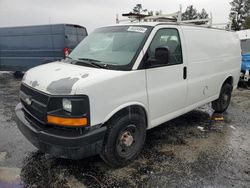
x=67, y=105
x=71, y=111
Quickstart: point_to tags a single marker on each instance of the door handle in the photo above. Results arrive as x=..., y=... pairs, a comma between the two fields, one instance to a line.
x=184, y=73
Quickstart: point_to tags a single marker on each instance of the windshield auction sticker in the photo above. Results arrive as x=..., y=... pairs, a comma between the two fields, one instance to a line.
x=137, y=29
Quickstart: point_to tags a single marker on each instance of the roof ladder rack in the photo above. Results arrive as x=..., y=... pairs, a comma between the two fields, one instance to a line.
x=170, y=18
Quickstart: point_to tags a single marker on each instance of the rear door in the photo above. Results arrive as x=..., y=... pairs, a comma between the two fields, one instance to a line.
x=74, y=35
x=70, y=37
x=81, y=33
x=166, y=84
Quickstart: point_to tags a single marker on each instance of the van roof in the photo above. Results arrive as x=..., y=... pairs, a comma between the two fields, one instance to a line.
x=37, y=29
x=26, y=26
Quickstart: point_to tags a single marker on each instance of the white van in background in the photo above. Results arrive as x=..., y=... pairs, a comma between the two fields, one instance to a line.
x=122, y=80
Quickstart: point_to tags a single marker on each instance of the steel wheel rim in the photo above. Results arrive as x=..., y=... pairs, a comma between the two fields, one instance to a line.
x=127, y=141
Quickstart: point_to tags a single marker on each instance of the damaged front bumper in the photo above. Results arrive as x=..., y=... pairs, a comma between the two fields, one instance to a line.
x=58, y=142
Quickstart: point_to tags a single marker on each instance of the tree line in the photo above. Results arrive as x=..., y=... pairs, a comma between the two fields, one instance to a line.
x=240, y=14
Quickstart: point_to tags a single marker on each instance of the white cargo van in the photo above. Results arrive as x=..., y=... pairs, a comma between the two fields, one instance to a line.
x=122, y=80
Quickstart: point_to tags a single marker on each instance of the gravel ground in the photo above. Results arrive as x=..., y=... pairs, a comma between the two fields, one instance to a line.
x=198, y=149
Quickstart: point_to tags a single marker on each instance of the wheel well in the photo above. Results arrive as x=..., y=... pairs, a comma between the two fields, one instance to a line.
x=229, y=80
x=131, y=109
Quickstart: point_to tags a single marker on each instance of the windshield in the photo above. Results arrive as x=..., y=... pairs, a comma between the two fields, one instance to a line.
x=245, y=46
x=115, y=47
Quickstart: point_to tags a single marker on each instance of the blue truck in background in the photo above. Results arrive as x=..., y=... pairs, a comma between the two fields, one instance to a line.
x=22, y=48
x=244, y=36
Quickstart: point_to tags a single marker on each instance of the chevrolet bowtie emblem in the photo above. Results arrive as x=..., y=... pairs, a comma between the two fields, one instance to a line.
x=28, y=101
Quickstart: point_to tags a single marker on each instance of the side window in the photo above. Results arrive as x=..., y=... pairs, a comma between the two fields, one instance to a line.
x=168, y=38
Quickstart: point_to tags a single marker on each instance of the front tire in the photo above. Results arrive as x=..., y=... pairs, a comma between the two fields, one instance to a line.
x=124, y=140
x=221, y=104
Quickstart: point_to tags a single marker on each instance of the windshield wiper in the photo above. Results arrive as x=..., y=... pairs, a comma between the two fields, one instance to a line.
x=86, y=62
x=92, y=62
x=88, y=59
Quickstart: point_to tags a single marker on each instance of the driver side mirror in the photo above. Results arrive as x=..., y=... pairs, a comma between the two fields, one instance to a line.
x=162, y=56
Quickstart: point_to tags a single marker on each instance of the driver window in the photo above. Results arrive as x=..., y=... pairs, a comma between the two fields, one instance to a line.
x=170, y=39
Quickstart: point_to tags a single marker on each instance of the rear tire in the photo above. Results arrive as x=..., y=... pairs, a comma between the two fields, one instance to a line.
x=221, y=104
x=124, y=140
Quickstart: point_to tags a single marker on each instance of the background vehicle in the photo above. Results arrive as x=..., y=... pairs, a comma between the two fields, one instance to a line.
x=22, y=48
x=122, y=80
x=244, y=36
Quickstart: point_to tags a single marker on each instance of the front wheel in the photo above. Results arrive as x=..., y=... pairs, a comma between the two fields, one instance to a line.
x=124, y=140
x=221, y=104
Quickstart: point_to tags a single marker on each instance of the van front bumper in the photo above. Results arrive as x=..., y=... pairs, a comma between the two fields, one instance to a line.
x=59, y=142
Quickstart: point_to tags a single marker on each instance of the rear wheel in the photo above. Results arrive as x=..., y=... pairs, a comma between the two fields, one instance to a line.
x=221, y=104
x=124, y=140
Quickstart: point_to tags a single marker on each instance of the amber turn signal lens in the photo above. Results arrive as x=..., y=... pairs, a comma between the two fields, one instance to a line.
x=70, y=122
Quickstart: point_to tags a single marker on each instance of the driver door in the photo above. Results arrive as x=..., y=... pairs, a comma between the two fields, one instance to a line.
x=166, y=83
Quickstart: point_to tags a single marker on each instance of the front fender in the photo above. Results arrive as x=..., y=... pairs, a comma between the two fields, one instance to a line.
x=123, y=106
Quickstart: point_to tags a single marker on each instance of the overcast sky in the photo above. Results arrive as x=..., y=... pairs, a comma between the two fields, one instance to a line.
x=95, y=13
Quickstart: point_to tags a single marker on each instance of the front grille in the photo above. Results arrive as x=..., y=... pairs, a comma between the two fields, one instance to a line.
x=40, y=97
x=39, y=102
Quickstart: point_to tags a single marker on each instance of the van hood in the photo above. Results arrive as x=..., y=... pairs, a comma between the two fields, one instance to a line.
x=59, y=78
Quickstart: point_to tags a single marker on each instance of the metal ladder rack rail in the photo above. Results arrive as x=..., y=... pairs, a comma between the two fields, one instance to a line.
x=169, y=18
x=164, y=18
